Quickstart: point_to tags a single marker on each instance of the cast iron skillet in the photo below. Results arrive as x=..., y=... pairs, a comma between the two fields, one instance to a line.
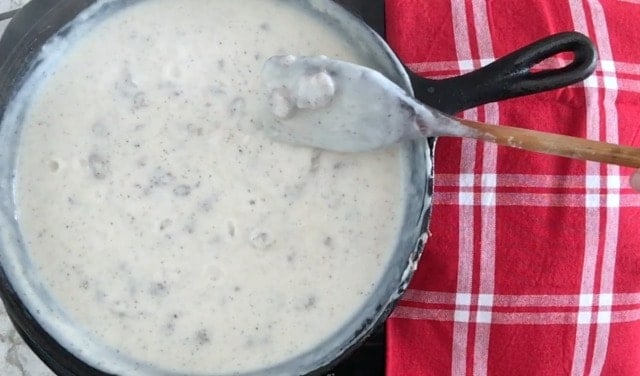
x=508, y=77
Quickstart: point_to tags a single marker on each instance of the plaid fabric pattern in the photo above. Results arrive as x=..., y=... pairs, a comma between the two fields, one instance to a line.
x=533, y=266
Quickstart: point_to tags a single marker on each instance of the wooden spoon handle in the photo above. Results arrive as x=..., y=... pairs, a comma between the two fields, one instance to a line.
x=550, y=143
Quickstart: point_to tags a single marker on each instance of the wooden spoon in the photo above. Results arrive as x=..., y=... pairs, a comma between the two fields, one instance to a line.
x=555, y=144
x=339, y=106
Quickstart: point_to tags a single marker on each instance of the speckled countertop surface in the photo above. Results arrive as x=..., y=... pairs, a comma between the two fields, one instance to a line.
x=7, y=5
x=16, y=359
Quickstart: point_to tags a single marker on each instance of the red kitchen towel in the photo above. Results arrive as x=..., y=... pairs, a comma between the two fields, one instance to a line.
x=533, y=267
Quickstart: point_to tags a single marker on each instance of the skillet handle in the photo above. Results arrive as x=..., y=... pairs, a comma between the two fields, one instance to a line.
x=511, y=76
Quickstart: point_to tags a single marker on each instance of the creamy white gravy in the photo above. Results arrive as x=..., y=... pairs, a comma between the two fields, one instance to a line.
x=164, y=224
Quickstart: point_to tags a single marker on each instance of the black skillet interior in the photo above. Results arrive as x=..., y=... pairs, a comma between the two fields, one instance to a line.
x=508, y=77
